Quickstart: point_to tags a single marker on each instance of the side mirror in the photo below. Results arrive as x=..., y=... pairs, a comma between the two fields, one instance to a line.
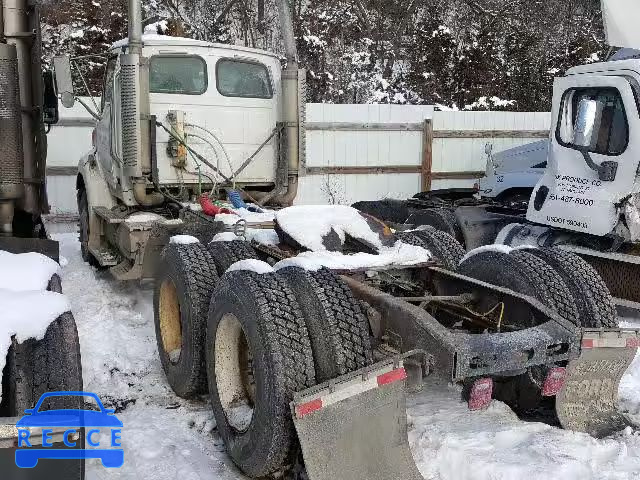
x=587, y=125
x=64, y=80
x=488, y=148
x=50, y=111
x=29, y=411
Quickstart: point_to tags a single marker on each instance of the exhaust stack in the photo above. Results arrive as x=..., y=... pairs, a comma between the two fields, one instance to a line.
x=291, y=104
x=12, y=156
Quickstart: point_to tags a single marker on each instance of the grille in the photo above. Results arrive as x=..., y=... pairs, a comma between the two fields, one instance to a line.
x=130, y=115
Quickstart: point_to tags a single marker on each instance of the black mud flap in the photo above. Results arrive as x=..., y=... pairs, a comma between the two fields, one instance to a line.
x=588, y=401
x=355, y=426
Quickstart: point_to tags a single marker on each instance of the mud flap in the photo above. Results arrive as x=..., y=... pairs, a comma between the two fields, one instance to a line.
x=355, y=426
x=588, y=401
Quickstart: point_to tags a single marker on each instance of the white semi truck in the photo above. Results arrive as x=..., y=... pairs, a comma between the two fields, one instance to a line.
x=306, y=370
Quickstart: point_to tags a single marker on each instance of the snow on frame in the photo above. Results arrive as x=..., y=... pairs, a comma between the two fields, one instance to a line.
x=262, y=236
x=506, y=249
x=26, y=271
x=183, y=240
x=401, y=254
x=308, y=224
x=26, y=315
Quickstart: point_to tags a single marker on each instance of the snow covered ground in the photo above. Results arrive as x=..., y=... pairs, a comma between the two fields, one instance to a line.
x=165, y=437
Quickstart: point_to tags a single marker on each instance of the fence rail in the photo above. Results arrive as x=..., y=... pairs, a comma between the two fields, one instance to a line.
x=429, y=134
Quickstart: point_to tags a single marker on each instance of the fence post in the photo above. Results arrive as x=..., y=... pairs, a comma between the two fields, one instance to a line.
x=427, y=155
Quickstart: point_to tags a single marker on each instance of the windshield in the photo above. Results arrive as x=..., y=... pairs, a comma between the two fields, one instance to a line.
x=181, y=75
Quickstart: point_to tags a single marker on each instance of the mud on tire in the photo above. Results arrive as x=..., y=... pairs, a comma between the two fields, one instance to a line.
x=338, y=330
x=258, y=355
x=593, y=300
x=184, y=283
x=225, y=254
x=446, y=249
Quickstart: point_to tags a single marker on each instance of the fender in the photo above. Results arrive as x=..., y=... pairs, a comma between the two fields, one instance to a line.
x=90, y=176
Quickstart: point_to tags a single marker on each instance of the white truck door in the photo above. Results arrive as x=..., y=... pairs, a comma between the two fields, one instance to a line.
x=104, y=127
x=571, y=195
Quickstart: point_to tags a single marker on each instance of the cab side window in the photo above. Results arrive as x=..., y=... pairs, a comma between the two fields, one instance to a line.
x=243, y=78
x=613, y=131
x=107, y=88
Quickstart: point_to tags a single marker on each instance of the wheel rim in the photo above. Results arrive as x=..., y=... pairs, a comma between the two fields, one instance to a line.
x=170, y=324
x=235, y=378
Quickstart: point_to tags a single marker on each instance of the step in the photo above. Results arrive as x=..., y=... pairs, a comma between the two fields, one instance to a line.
x=126, y=271
x=110, y=216
x=105, y=256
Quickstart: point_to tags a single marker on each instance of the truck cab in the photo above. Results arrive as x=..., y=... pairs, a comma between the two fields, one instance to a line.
x=224, y=101
x=591, y=182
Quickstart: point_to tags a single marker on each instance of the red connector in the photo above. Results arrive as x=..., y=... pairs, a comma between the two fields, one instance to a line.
x=209, y=208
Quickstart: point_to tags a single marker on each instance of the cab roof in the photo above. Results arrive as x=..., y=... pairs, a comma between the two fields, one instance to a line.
x=168, y=41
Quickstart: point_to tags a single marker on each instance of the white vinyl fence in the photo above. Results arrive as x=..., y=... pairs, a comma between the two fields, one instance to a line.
x=353, y=152
x=367, y=152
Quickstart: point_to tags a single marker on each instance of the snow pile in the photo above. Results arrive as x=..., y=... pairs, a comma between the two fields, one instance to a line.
x=225, y=237
x=309, y=224
x=27, y=315
x=26, y=271
x=183, y=240
x=449, y=442
x=401, y=254
x=251, y=265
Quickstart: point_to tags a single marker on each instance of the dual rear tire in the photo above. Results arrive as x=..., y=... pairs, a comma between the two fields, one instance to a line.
x=262, y=338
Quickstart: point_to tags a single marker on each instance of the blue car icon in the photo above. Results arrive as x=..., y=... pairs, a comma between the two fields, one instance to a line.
x=71, y=419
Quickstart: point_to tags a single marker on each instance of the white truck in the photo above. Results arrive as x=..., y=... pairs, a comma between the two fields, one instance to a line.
x=179, y=119
x=306, y=369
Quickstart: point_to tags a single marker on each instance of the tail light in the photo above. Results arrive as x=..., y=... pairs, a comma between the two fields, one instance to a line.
x=481, y=392
x=554, y=381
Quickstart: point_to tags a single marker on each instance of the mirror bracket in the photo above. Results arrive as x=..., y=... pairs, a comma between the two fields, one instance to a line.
x=607, y=170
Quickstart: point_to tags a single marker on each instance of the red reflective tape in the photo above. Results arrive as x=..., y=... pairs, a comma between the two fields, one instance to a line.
x=392, y=376
x=309, y=407
x=633, y=342
x=587, y=343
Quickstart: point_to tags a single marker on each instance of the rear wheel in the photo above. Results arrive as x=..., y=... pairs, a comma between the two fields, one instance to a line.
x=444, y=248
x=35, y=367
x=225, y=254
x=83, y=224
x=258, y=355
x=338, y=330
x=524, y=273
x=593, y=300
x=185, y=281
